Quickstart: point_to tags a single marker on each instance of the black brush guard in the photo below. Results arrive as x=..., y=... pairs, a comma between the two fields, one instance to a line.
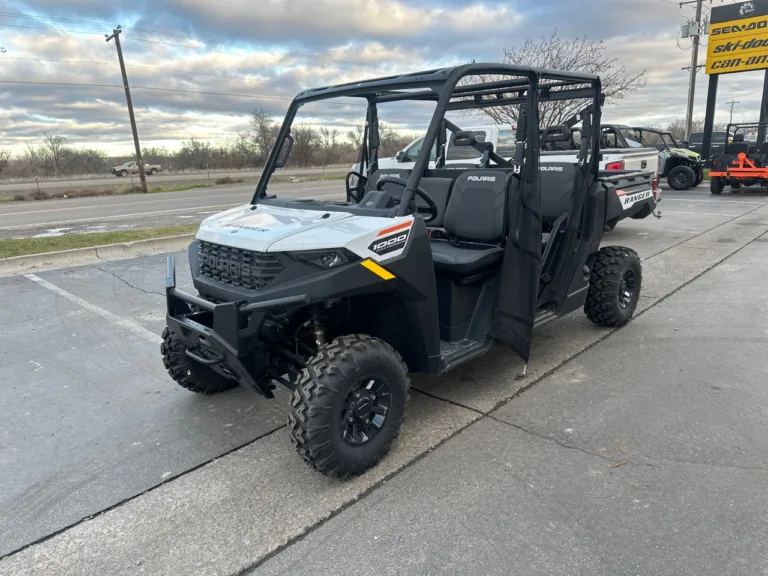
x=223, y=336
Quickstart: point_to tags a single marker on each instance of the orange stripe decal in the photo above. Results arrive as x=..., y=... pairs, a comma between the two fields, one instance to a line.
x=395, y=228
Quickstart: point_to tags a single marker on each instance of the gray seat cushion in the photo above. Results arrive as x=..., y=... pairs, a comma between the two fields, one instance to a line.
x=464, y=260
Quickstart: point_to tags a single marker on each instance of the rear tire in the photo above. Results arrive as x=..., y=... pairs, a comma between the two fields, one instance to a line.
x=681, y=177
x=348, y=405
x=716, y=185
x=153, y=172
x=124, y=173
x=614, y=286
x=190, y=374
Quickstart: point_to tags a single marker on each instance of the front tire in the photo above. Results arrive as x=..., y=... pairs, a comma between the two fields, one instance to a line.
x=716, y=185
x=614, y=286
x=681, y=177
x=153, y=172
x=124, y=173
x=189, y=374
x=348, y=405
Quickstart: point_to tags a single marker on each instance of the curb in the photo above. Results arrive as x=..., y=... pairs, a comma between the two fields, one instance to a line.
x=83, y=256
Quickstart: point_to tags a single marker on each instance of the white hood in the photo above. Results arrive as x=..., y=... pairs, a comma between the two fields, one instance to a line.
x=258, y=227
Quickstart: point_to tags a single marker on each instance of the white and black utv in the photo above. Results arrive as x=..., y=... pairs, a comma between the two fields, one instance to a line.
x=418, y=271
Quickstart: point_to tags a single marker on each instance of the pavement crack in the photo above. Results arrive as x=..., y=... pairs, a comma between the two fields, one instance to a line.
x=555, y=440
x=124, y=281
x=135, y=496
x=452, y=402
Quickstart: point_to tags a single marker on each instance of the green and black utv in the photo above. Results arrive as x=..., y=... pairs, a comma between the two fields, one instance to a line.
x=682, y=168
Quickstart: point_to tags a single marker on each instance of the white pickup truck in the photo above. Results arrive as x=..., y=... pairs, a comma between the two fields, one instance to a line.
x=621, y=152
x=133, y=168
x=620, y=148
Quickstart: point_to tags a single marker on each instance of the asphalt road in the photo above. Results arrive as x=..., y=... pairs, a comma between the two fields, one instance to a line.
x=105, y=213
x=637, y=451
x=8, y=188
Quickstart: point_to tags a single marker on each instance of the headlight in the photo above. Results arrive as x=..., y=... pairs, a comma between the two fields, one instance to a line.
x=326, y=259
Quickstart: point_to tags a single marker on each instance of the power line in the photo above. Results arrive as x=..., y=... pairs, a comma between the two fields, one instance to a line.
x=48, y=29
x=160, y=89
x=177, y=71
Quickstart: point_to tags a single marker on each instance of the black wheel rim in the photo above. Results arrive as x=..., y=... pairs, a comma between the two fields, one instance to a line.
x=627, y=288
x=364, y=410
x=681, y=179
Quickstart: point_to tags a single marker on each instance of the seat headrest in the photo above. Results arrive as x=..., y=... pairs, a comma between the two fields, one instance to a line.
x=738, y=137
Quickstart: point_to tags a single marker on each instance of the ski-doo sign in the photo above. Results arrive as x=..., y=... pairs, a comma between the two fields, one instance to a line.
x=738, y=37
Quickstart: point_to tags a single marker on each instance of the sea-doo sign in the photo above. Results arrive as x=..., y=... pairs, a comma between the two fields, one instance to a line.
x=738, y=38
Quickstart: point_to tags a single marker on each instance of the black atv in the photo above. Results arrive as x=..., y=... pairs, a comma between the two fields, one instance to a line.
x=682, y=168
x=418, y=270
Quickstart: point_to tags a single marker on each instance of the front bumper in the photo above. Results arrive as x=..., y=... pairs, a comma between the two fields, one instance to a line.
x=223, y=336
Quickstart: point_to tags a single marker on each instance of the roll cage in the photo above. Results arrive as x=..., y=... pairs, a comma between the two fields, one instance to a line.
x=732, y=130
x=498, y=85
x=664, y=135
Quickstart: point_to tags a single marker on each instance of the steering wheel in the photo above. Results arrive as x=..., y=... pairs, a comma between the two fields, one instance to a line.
x=431, y=206
x=360, y=178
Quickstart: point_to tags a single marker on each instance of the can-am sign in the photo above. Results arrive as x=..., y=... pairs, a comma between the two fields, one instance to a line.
x=738, y=38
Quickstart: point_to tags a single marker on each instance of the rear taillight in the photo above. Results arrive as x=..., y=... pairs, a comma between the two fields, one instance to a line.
x=615, y=165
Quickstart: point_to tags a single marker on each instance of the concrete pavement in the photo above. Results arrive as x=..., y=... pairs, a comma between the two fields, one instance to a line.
x=644, y=455
x=231, y=511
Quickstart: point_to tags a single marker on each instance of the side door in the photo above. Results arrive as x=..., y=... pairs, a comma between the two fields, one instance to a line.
x=718, y=144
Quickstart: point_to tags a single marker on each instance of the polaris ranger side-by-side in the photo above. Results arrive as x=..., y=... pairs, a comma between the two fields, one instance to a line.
x=418, y=270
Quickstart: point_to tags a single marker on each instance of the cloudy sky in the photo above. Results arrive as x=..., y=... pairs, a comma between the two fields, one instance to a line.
x=199, y=66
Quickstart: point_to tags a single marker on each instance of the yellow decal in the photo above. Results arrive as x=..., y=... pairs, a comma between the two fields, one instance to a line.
x=378, y=270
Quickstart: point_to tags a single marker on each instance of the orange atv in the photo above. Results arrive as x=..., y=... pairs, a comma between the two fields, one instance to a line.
x=744, y=162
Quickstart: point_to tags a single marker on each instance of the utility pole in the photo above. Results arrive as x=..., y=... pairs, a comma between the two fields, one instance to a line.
x=732, y=103
x=116, y=36
x=694, y=69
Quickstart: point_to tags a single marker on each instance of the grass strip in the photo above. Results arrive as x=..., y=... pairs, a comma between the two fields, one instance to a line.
x=25, y=246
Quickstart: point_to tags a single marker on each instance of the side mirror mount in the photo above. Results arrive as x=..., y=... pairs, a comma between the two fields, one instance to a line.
x=285, y=152
x=401, y=157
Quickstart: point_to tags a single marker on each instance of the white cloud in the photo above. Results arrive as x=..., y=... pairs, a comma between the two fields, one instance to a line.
x=274, y=48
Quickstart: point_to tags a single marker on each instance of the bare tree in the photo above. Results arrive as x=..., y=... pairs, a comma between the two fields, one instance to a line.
x=305, y=139
x=5, y=157
x=391, y=141
x=579, y=55
x=677, y=127
x=56, y=147
x=265, y=132
x=328, y=145
x=356, y=136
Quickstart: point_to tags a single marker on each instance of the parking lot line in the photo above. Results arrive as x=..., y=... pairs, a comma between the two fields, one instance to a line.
x=129, y=325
